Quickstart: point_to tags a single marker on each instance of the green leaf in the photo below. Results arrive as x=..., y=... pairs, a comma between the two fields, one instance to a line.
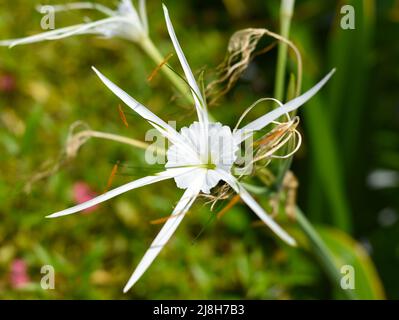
x=32, y=127
x=350, y=51
x=347, y=251
x=326, y=161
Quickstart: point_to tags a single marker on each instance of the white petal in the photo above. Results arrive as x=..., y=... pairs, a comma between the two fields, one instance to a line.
x=143, y=15
x=198, y=99
x=95, y=27
x=153, y=119
x=170, y=173
x=126, y=9
x=266, y=119
x=247, y=198
x=177, y=141
x=79, y=6
x=39, y=37
x=166, y=232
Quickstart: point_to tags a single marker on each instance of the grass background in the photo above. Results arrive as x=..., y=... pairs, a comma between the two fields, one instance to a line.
x=350, y=129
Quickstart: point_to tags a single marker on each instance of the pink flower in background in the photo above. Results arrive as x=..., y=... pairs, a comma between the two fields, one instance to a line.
x=82, y=193
x=18, y=274
x=7, y=83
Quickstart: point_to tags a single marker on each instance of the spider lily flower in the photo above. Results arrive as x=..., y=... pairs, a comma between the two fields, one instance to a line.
x=124, y=22
x=195, y=160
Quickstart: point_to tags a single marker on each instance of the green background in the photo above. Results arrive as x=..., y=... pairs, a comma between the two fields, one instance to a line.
x=350, y=129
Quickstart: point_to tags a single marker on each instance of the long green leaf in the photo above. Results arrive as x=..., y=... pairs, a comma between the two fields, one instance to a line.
x=347, y=251
x=326, y=162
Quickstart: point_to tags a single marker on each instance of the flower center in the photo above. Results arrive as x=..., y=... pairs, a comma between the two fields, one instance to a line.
x=206, y=150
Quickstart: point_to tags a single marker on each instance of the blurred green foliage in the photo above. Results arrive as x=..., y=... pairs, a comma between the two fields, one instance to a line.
x=350, y=129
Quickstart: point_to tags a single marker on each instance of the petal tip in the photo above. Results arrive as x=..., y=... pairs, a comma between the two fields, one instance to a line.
x=293, y=243
x=127, y=287
x=98, y=73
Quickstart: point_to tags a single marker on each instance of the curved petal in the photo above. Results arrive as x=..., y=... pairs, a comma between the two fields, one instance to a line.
x=143, y=15
x=168, y=174
x=127, y=9
x=80, y=6
x=95, y=27
x=166, y=232
x=79, y=29
x=39, y=37
x=247, y=198
x=165, y=129
x=266, y=119
x=198, y=99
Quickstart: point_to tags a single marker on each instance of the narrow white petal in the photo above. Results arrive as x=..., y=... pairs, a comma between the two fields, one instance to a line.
x=266, y=119
x=165, y=129
x=127, y=9
x=171, y=173
x=166, y=232
x=247, y=198
x=39, y=37
x=96, y=27
x=198, y=99
x=138, y=107
x=79, y=29
x=79, y=6
x=143, y=15
x=91, y=27
x=131, y=102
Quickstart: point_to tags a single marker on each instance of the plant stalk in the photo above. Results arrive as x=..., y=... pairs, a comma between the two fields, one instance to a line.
x=317, y=244
x=286, y=12
x=115, y=137
x=323, y=253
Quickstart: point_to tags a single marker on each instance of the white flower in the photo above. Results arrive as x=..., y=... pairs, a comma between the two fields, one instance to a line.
x=124, y=22
x=200, y=157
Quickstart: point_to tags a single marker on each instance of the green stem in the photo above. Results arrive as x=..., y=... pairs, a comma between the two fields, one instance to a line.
x=317, y=244
x=152, y=51
x=322, y=252
x=286, y=12
x=115, y=137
